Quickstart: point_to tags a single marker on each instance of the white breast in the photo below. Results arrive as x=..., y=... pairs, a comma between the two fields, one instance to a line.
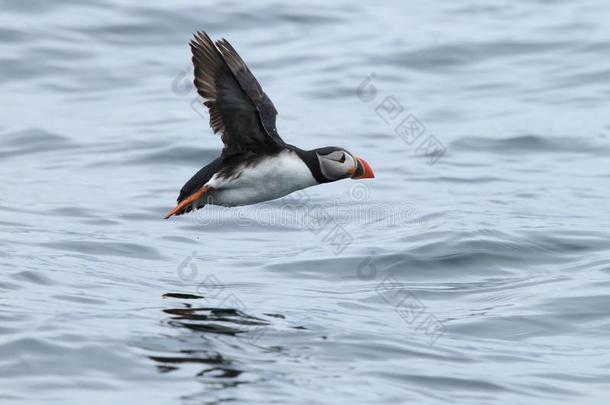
x=268, y=179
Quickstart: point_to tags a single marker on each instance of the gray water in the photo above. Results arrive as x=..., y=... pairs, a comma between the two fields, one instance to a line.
x=475, y=271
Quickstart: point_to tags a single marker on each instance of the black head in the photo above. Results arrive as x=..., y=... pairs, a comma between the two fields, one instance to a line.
x=332, y=163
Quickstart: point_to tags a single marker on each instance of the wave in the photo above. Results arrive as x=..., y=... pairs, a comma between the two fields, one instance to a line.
x=528, y=144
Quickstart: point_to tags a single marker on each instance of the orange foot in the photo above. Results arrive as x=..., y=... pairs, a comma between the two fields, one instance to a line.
x=186, y=202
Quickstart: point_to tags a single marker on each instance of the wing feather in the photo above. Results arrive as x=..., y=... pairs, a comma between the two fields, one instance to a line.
x=238, y=107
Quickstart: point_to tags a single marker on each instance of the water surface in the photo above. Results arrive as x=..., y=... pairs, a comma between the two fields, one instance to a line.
x=478, y=274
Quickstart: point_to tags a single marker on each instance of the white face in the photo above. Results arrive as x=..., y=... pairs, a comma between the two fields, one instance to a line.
x=337, y=165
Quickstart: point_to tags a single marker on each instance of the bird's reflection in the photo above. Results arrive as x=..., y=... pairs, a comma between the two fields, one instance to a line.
x=198, y=347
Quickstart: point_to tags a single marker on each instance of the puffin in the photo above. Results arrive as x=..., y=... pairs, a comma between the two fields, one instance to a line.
x=255, y=164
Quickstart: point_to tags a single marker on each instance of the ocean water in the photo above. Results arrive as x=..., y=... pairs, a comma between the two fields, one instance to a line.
x=473, y=269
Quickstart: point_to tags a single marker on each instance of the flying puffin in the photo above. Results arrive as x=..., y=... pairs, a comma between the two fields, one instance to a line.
x=255, y=164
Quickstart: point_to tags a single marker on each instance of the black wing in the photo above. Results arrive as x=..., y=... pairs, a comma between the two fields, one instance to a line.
x=199, y=179
x=239, y=108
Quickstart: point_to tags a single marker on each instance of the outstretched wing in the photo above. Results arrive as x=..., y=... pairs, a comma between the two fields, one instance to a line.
x=238, y=106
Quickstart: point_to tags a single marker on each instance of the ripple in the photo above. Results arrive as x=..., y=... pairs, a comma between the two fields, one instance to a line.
x=528, y=144
x=441, y=58
x=177, y=156
x=35, y=277
x=132, y=250
x=31, y=141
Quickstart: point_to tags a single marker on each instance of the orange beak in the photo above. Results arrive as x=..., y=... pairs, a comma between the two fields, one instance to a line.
x=363, y=170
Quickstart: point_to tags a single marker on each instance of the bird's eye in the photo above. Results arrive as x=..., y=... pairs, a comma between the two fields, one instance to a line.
x=342, y=160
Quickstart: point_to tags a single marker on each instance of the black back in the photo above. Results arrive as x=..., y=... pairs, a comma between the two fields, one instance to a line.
x=199, y=179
